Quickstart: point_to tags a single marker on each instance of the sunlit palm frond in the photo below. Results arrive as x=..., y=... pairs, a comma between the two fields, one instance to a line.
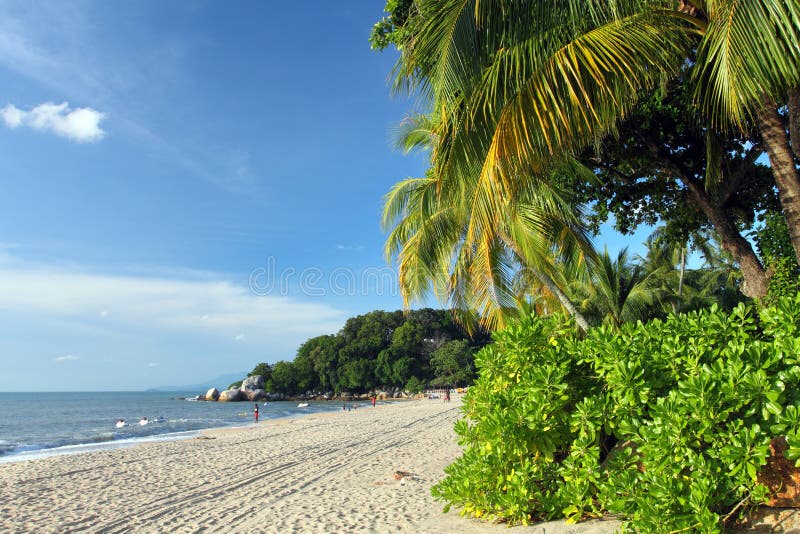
x=749, y=52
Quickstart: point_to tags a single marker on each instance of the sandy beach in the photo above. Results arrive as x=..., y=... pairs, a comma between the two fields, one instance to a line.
x=319, y=473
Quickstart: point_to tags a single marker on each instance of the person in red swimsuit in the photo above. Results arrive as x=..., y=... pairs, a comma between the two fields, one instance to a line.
x=255, y=412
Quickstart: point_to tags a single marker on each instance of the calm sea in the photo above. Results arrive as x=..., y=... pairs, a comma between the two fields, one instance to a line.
x=34, y=425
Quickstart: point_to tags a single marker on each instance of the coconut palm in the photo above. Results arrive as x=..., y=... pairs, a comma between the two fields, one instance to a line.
x=621, y=291
x=454, y=237
x=522, y=85
x=666, y=259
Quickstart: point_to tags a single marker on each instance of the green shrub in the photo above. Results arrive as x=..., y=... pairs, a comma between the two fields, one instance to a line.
x=414, y=385
x=666, y=423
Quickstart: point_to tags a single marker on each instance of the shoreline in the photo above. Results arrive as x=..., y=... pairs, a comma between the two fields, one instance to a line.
x=27, y=453
x=322, y=472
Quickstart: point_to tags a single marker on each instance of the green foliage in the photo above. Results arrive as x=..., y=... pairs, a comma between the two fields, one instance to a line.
x=415, y=385
x=392, y=29
x=237, y=384
x=372, y=350
x=665, y=423
x=775, y=248
x=453, y=363
x=261, y=369
x=283, y=378
x=785, y=279
x=772, y=239
x=641, y=173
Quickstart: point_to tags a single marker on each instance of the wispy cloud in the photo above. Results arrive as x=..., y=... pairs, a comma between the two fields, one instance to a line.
x=67, y=358
x=81, y=125
x=152, y=364
x=204, y=306
x=60, y=45
x=351, y=248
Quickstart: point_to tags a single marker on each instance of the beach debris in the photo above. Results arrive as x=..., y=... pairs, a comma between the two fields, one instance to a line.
x=404, y=476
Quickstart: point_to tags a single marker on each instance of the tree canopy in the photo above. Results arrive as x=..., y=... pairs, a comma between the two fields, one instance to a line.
x=379, y=349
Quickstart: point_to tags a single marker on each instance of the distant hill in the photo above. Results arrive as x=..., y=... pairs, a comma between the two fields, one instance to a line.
x=221, y=382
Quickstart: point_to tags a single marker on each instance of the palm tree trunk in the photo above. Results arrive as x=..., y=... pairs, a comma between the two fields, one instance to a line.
x=565, y=301
x=680, y=278
x=793, y=103
x=755, y=278
x=787, y=178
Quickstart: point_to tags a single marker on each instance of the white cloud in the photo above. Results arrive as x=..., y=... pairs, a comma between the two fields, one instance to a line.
x=201, y=307
x=81, y=125
x=152, y=364
x=67, y=358
x=104, y=313
x=57, y=44
x=355, y=248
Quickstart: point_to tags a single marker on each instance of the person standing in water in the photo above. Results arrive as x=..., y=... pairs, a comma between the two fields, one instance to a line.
x=255, y=411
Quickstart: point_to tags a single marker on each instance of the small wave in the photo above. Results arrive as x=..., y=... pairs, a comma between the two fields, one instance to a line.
x=103, y=437
x=30, y=452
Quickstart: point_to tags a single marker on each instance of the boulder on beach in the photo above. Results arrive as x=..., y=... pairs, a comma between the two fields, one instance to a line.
x=231, y=395
x=255, y=395
x=212, y=394
x=253, y=383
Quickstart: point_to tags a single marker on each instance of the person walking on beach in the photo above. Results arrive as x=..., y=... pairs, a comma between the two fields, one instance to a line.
x=373, y=400
x=255, y=411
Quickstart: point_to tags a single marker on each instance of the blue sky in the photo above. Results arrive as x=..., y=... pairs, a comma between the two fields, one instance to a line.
x=189, y=187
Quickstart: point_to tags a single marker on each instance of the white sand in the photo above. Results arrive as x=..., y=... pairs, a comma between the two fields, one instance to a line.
x=320, y=473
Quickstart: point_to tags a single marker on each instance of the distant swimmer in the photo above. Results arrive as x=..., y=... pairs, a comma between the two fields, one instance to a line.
x=143, y=421
x=121, y=423
x=158, y=419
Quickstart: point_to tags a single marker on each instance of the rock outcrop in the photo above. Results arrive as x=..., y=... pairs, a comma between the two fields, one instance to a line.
x=253, y=383
x=212, y=394
x=254, y=395
x=231, y=395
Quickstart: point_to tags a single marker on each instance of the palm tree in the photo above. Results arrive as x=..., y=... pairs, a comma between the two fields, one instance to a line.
x=522, y=85
x=666, y=259
x=468, y=245
x=620, y=291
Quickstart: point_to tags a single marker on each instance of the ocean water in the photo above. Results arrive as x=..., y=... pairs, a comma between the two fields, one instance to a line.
x=33, y=425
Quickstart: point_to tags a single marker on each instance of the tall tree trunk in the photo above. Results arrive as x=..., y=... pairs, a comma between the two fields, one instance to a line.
x=755, y=278
x=565, y=301
x=787, y=178
x=680, y=278
x=793, y=103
